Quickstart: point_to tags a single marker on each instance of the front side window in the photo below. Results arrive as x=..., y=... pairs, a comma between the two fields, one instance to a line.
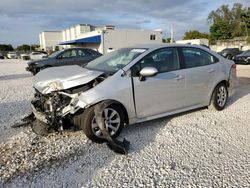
x=69, y=54
x=164, y=60
x=115, y=60
x=195, y=57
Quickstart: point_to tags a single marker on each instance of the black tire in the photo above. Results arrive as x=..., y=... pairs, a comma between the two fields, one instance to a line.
x=219, y=100
x=38, y=69
x=84, y=122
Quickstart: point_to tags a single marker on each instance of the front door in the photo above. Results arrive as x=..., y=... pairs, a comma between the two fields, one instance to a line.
x=69, y=57
x=164, y=92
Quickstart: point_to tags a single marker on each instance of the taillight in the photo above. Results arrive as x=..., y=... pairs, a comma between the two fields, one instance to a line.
x=234, y=66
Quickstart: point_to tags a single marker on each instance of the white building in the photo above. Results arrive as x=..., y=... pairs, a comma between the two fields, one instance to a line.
x=104, y=39
x=194, y=41
x=50, y=39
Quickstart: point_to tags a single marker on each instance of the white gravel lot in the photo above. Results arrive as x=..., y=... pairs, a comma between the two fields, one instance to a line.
x=202, y=148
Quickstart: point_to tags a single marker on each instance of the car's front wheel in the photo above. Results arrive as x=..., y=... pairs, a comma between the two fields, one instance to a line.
x=219, y=97
x=113, y=117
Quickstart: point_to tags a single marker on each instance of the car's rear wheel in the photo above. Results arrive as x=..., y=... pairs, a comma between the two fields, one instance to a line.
x=113, y=117
x=219, y=97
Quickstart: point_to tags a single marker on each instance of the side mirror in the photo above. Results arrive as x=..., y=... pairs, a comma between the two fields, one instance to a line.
x=147, y=72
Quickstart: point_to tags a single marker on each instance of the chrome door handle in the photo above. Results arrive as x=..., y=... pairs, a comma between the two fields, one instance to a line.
x=179, y=77
x=211, y=71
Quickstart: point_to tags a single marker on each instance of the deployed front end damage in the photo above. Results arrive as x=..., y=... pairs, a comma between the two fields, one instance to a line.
x=53, y=105
x=56, y=103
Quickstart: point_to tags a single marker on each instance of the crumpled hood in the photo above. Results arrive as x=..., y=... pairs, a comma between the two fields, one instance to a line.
x=64, y=77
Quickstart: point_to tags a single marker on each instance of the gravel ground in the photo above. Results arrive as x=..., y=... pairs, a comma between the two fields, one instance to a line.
x=202, y=148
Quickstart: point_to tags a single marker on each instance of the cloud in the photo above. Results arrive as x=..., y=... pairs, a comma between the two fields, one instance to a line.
x=21, y=21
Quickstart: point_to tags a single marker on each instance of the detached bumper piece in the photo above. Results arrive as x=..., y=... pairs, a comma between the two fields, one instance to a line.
x=27, y=120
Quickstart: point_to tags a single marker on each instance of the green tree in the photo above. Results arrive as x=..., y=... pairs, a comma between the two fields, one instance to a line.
x=23, y=47
x=166, y=40
x=6, y=47
x=195, y=35
x=245, y=18
x=220, y=30
x=227, y=23
x=34, y=47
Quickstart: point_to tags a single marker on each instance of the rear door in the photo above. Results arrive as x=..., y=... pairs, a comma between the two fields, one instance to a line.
x=164, y=92
x=85, y=56
x=201, y=70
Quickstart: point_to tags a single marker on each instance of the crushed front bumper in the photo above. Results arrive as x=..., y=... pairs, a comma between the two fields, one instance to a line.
x=39, y=115
x=31, y=69
x=54, y=108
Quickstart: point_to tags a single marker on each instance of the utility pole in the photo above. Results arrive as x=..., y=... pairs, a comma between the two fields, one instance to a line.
x=172, y=33
x=246, y=28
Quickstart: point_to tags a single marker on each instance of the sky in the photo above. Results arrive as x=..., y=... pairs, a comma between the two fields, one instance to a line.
x=21, y=21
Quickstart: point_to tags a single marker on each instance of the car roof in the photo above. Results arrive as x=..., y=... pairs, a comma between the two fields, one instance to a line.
x=77, y=48
x=156, y=46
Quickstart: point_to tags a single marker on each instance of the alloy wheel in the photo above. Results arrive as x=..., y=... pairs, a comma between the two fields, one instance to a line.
x=222, y=96
x=112, y=122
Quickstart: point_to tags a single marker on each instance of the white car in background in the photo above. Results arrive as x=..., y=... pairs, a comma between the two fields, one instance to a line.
x=12, y=55
x=38, y=55
x=34, y=55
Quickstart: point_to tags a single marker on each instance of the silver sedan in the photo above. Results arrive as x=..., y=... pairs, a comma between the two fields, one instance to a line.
x=140, y=83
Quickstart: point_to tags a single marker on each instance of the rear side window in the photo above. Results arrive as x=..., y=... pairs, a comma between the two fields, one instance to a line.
x=87, y=52
x=92, y=52
x=82, y=53
x=195, y=57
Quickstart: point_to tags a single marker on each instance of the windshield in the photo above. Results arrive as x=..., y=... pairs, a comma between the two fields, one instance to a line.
x=115, y=60
x=54, y=54
x=246, y=53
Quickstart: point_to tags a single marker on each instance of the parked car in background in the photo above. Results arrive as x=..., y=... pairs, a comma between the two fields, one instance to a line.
x=71, y=56
x=1, y=56
x=205, y=46
x=24, y=56
x=38, y=55
x=34, y=55
x=139, y=83
x=12, y=55
x=229, y=53
x=243, y=58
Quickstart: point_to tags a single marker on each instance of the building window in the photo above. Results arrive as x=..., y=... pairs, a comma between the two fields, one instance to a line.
x=152, y=37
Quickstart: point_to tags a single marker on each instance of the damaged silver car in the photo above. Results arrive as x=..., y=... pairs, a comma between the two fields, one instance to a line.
x=138, y=83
